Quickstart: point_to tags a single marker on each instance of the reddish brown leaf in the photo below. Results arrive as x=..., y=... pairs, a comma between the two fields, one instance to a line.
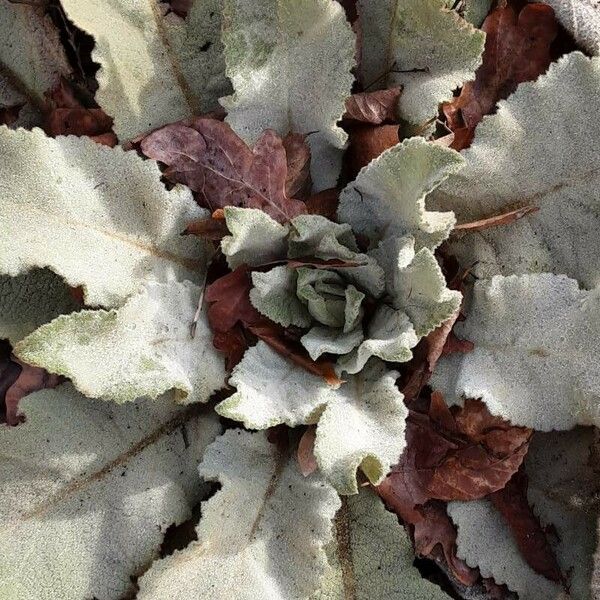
x=212, y=160
x=233, y=344
x=324, y=203
x=496, y=220
x=306, y=455
x=297, y=182
x=229, y=301
x=9, y=114
x=517, y=49
x=319, y=263
x=209, y=229
x=368, y=142
x=373, y=107
x=180, y=7
x=67, y=116
x=463, y=453
x=435, y=532
x=513, y=505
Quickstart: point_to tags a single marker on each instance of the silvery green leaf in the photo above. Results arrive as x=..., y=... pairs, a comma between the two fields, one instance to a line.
x=388, y=196
x=537, y=339
x=420, y=45
x=473, y=11
x=290, y=62
x=89, y=490
x=581, y=18
x=123, y=230
x=272, y=390
x=416, y=284
x=32, y=59
x=362, y=426
x=562, y=481
x=274, y=296
x=153, y=70
x=314, y=235
x=377, y=556
x=255, y=237
x=30, y=300
x=390, y=336
x=143, y=348
x=513, y=161
x=262, y=535
x=320, y=340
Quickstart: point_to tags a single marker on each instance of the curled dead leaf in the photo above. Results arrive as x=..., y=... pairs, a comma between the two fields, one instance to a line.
x=373, y=107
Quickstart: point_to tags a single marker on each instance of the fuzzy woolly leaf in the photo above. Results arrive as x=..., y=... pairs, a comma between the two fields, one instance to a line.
x=89, y=489
x=378, y=556
x=361, y=427
x=263, y=534
x=255, y=237
x=30, y=300
x=141, y=349
x=416, y=284
x=581, y=18
x=536, y=343
x=274, y=295
x=31, y=59
x=324, y=339
x=388, y=197
x=153, y=71
x=290, y=61
x=390, y=336
x=420, y=45
x=119, y=226
x=513, y=161
x=560, y=489
x=272, y=390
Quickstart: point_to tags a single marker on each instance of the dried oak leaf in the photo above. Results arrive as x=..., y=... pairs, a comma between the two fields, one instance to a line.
x=513, y=505
x=366, y=143
x=67, y=116
x=463, y=453
x=517, y=49
x=207, y=156
x=298, y=182
x=324, y=203
x=373, y=107
x=306, y=451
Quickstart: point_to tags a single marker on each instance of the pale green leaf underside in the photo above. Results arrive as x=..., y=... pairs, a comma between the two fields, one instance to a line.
x=32, y=59
x=537, y=340
x=30, y=300
x=289, y=62
x=377, y=555
x=562, y=483
x=320, y=340
x=423, y=47
x=514, y=160
x=272, y=390
x=99, y=217
x=89, y=489
x=255, y=237
x=153, y=70
x=141, y=349
x=262, y=535
x=388, y=197
x=362, y=426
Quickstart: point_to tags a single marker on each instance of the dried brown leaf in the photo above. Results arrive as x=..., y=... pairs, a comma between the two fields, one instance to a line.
x=367, y=142
x=306, y=455
x=373, y=107
x=298, y=182
x=497, y=220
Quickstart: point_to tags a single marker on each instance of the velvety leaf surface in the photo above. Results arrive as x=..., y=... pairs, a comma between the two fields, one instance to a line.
x=124, y=220
x=289, y=62
x=153, y=69
x=263, y=534
x=535, y=345
x=89, y=490
x=516, y=162
x=421, y=46
x=143, y=348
